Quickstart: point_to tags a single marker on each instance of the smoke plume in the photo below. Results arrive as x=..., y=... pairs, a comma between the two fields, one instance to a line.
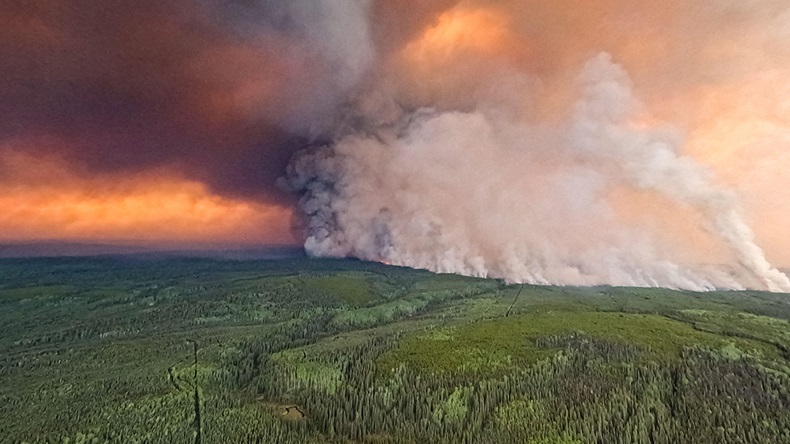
x=475, y=186
x=609, y=142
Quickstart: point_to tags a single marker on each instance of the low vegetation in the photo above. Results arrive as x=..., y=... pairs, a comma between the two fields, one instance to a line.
x=297, y=351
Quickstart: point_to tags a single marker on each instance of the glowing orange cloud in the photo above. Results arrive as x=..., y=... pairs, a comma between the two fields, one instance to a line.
x=461, y=29
x=46, y=200
x=464, y=47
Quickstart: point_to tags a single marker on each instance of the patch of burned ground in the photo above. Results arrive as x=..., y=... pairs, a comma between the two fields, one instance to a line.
x=288, y=412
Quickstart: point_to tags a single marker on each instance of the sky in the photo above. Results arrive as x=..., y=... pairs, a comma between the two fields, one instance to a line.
x=181, y=123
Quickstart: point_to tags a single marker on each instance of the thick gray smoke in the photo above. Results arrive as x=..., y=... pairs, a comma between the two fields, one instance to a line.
x=476, y=184
x=480, y=194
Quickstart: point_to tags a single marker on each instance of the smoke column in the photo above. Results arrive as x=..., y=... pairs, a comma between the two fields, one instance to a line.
x=476, y=185
x=478, y=194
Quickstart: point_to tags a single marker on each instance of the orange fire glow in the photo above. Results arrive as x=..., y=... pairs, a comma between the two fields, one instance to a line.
x=461, y=29
x=150, y=207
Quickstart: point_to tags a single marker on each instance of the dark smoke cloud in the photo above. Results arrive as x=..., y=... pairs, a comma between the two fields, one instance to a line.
x=222, y=93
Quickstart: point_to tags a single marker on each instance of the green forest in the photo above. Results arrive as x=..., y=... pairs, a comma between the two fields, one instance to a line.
x=178, y=350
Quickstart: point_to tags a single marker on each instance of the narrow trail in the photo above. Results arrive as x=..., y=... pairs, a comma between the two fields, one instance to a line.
x=514, y=301
x=198, y=425
x=172, y=378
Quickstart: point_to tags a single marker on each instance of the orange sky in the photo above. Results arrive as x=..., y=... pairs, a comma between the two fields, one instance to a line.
x=46, y=199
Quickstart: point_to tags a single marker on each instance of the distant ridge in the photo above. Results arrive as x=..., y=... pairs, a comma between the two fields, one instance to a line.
x=59, y=249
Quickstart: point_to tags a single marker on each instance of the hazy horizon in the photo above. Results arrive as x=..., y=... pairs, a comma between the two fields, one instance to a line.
x=60, y=248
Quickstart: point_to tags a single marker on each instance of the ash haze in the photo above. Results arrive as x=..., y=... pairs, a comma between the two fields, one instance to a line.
x=609, y=142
